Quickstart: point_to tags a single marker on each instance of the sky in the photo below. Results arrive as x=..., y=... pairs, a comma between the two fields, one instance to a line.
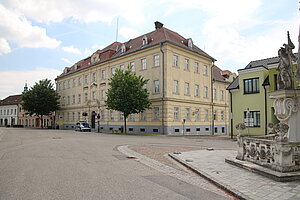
x=38, y=39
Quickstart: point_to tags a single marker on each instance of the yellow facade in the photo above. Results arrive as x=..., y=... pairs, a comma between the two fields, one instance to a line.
x=184, y=92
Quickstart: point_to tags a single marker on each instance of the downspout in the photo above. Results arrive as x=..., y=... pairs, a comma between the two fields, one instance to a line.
x=163, y=90
x=231, y=119
x=212, y=100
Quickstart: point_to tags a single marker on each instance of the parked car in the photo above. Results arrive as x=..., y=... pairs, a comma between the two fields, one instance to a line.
x=82, y=126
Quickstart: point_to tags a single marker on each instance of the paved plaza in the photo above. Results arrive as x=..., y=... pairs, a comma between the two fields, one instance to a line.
x=243, y=183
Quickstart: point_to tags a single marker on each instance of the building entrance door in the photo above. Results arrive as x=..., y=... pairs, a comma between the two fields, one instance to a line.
x=93, y=119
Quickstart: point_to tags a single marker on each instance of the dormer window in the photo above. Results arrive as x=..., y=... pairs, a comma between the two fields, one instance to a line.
x=145, y=40
x=123, y=48
x=190, y=43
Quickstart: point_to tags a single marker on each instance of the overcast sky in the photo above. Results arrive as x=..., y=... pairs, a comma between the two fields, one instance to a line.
x=39, y=38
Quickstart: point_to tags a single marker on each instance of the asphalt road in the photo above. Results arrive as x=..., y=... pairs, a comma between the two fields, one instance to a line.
x=55, y=164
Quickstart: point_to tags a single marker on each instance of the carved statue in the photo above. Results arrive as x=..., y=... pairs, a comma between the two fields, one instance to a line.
x=298, y=61
x=285, y=78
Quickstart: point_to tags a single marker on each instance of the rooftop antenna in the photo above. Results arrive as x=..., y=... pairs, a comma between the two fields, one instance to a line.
x=117, y=29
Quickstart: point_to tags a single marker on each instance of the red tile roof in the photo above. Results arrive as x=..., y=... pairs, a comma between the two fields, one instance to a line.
x=11, y=100
x=161, y=34
x=219, y=74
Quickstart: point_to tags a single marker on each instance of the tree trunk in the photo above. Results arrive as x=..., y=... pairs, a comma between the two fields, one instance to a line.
x=125, y=128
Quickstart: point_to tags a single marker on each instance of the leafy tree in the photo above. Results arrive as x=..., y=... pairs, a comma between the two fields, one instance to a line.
x=127, y=94
x=41, y=99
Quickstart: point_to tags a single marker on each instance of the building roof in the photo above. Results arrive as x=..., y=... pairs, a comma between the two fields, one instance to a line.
x=264, y=62
x=159, y=35
x=220, y=75
x=11, y=100
x=234, y=84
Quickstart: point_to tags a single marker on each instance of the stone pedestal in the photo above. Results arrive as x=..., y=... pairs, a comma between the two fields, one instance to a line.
x=287, y=111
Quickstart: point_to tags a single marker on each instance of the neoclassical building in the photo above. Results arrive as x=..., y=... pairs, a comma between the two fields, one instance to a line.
x=188, y=96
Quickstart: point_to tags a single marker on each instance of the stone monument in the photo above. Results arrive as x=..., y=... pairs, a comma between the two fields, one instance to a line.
x=279, y=151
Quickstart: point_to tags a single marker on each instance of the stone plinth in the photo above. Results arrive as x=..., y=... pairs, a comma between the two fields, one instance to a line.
x=270, y=153
x=287, y=110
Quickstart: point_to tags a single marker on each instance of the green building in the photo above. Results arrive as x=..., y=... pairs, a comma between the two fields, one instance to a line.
x=249, y=98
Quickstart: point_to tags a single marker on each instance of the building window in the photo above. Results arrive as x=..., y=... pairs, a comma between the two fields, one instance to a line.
x=85, y=97
x=68, y=100
x=113, y=71
x=69, y=84
x=186, y=64
x=63, y=101
x=156, y=86
x=214, y=93
x=78, y=116
x=123, y=48
x=86, y=79
x=196, y=67
x=132, y=69
x=79, y=98
x=175, y=83
x=145, y=40
x=176, y=113
x=94, y=77
x=156, y=60
x=223, y=129
x=187, y=114
x=103, y=75
x=102, y=94
x=112, y=115
x=74, y=82
x=79, y=81
x=252, y=118
x=206, y=115
x=205, y=70
x=144, y=64
x=222, y=95
x=73, y=99
x=251, y=86
x=186, y=88
x=121, y=116
x=122, y=67
x=156, y=113
x=222, y=116
x=196, y=90
x=94, y=95
x=131, y=117
x=197, y=114
x=216, y=129
x=175, y=61
x=143, y=115
x=205, y=92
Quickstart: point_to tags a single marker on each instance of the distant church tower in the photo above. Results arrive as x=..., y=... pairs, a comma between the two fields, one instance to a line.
x=25, y=87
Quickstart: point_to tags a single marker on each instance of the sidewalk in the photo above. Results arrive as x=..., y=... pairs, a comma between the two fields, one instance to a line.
x=240, y=182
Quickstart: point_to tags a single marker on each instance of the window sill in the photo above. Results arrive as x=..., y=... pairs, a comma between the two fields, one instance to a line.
x=251, y=93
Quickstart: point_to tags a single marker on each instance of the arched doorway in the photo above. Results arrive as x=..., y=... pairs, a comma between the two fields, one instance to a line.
x=5, y=122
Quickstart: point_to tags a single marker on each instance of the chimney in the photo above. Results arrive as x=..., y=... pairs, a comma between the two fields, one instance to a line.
x=158, y=25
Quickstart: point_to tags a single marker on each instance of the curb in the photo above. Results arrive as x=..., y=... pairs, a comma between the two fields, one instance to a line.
x=219, y=184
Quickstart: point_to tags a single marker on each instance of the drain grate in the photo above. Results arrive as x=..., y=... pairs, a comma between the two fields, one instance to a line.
x=55, y=138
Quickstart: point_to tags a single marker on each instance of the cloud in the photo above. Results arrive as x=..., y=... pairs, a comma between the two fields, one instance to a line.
x=128, y=33
x=16, y=28
x=4, y=46
x=66, y=60
x=9, y=87
x=85, y=11
x=71, y=49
